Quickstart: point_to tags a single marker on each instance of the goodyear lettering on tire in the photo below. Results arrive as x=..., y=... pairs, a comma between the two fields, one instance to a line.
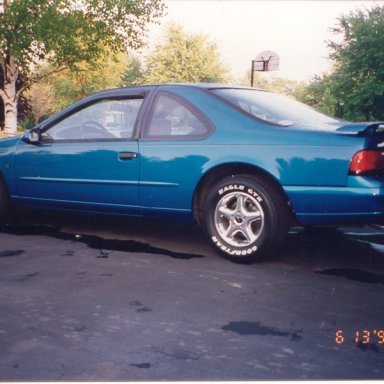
x=233, y=252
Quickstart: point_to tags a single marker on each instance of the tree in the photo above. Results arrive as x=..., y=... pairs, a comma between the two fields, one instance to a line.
x=184, y=57
x=70, y=86
x=64, y=33
x=359, y=74
x=22, y=105
x=280, y=85
x=52, y=94
x=260, y=81
x=41, y=101
x=355, y=88
x=133, y=73
x=320, y=95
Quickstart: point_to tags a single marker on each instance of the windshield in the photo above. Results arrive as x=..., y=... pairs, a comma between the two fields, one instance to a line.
x=277, y=108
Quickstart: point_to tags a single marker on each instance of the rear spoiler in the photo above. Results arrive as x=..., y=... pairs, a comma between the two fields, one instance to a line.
x=363, y=129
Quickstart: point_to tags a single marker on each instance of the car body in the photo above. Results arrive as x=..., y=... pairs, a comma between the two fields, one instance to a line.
x=245, y=163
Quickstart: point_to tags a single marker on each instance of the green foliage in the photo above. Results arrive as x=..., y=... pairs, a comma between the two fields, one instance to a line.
x=263, y=80
x=184, y=57
x=25, y=124
x=285, y=86
x=105, y=73
x=319, y=94
x=133, y=73
x=53, y=93
x=355, y=88
x=67, y=32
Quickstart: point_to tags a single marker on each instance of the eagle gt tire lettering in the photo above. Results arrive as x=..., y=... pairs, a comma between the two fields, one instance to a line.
x=245, y=217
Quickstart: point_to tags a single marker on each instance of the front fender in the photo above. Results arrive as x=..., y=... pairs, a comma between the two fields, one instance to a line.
x=7, y=160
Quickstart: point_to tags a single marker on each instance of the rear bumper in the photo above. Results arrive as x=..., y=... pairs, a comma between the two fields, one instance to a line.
x=361, y=202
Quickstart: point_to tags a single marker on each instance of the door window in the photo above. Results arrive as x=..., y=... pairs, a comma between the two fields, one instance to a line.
x=106, y=119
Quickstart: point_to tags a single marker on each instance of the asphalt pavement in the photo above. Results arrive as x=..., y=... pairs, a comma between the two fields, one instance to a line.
x=100, y=299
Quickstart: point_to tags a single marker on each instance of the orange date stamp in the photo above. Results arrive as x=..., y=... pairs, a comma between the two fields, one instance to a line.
x=360, y=337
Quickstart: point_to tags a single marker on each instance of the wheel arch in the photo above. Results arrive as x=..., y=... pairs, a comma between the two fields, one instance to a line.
x=225, y=170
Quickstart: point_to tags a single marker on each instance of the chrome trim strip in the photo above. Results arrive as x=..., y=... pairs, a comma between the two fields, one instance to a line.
x=99, y=181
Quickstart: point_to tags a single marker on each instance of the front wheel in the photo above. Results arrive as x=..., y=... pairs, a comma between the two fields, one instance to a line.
x=4, y=203
x=245, y=217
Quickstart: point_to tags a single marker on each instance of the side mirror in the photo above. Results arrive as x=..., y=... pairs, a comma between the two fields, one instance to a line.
x=32, y=136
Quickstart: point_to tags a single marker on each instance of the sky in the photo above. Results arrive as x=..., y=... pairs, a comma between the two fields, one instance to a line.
x=296, y=30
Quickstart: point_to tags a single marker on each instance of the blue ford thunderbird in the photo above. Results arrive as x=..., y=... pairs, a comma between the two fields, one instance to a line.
x=245, y=164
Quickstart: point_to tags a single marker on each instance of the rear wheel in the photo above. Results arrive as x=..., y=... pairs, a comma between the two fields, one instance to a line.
x=245, y=217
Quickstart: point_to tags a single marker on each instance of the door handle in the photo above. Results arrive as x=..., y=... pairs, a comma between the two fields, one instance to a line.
x=127, y=155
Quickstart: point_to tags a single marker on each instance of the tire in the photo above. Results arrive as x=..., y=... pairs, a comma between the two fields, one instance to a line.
x=4, y=203
x=245, y=217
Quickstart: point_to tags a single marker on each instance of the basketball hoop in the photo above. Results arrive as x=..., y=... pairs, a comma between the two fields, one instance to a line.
x=265, y=61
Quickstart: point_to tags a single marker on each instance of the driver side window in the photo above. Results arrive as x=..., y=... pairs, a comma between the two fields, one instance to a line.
x=106, y=119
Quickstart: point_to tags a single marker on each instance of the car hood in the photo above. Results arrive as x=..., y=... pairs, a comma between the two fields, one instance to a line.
x=7, y=143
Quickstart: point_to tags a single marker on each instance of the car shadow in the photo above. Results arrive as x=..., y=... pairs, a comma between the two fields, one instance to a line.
x=344, y=251
x=323, y=250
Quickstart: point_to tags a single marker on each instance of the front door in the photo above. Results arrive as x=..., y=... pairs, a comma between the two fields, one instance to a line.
x=88, y=160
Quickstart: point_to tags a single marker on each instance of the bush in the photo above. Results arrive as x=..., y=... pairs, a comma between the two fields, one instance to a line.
x=25, y=125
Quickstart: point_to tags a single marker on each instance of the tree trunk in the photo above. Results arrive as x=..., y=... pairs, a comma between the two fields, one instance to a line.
x=10, y=96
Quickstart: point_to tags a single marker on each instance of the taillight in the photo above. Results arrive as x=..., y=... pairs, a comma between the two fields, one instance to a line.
x=367, y=163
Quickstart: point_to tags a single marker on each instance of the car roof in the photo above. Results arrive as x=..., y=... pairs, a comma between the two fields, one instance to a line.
x=209, y=86
x=204, y=85
x=145, y=88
